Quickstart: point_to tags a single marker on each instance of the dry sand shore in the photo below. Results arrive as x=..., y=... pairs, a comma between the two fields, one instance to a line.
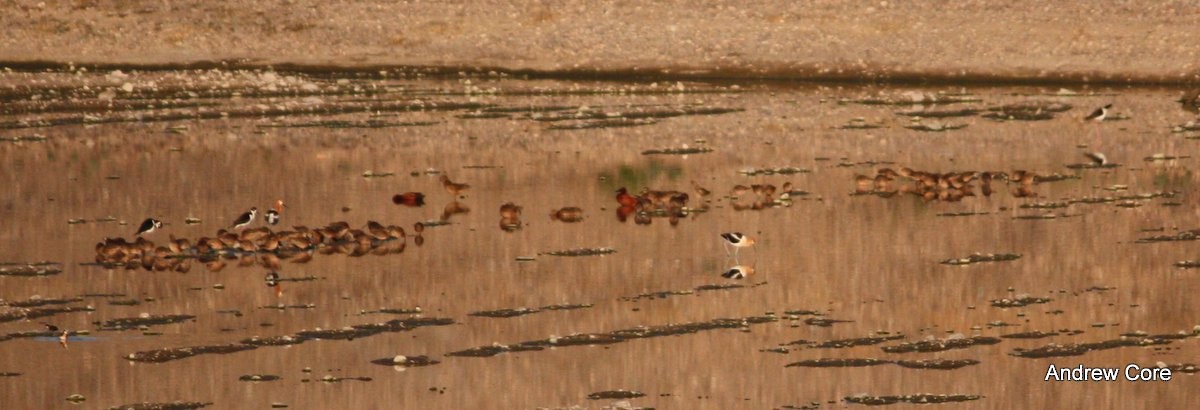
x=1013, y=41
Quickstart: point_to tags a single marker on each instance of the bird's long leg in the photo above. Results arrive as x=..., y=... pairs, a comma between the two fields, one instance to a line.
x=727, y=253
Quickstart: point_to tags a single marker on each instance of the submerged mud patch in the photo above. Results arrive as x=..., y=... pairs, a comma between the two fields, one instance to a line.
x=259, y=378
x=617, y=336
x=912, y=398
x=926, y=346
x=1076, y=349
x=34, y=313
x=615, y=394
x=406, y=361
x=678, y=151
x=581, y=252
x=175, y=405
x=1019, y=301
x=838, y=362
x=937, y=364
x=31, y=269
x=39, y=301
x=506, y=313
x=860, y=341
x=137, y=322
x=702, y=288
x=981, y=258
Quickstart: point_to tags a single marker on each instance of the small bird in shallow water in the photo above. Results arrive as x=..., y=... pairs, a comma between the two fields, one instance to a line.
x=149, y=225
x=274, y=213
x=62, y=339
x=1097, y=158
x=738, y=240
x=738, y=272
x=1099, y=114
x=245, y=218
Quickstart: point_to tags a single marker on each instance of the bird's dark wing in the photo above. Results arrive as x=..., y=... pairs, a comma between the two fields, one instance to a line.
x=146, y=225
x=732, y=236
x=1095, y=113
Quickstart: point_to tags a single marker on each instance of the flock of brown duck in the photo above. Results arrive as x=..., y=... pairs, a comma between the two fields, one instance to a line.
x=254, y=245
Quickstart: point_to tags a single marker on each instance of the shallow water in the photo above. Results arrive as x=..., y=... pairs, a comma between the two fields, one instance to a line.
x=871, y=261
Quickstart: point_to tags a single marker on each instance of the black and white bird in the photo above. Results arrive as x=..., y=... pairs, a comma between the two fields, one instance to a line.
x=50, y=327
x=738, y=272
x=738, y=240
x=274, y=214
x=1097, y=158
x=1099, y=114
x=149, y=225
x=245, y=219
x=272, y=279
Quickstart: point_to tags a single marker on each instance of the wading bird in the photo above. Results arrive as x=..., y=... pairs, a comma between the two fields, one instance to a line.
x=245, y=219
x=1097, y=158
x=149, y=225
x=738, y=272
x=738, y=240
x=273, y=214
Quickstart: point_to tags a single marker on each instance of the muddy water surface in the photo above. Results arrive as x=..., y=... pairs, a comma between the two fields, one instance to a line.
x=79, y=166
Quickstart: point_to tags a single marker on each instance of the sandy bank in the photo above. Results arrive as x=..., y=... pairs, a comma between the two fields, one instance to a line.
x=901, y=41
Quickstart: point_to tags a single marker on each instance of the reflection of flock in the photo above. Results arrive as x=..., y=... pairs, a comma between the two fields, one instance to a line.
x=949, y=187
x=255, y=245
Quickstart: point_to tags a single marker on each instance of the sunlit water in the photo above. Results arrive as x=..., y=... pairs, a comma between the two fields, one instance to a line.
x=861, y=258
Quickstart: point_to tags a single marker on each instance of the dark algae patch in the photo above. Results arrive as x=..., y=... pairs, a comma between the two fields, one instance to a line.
x=617, y=336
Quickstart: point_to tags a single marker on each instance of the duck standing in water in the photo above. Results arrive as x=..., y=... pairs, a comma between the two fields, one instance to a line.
x=625, y=199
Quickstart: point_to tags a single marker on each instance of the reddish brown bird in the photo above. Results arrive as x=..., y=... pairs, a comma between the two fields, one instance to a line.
x=625, y=199
x=452, y=187
x=409, y=199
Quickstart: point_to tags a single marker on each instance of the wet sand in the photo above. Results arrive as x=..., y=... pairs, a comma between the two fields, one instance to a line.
x=870, y=261
x=1015, y=41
